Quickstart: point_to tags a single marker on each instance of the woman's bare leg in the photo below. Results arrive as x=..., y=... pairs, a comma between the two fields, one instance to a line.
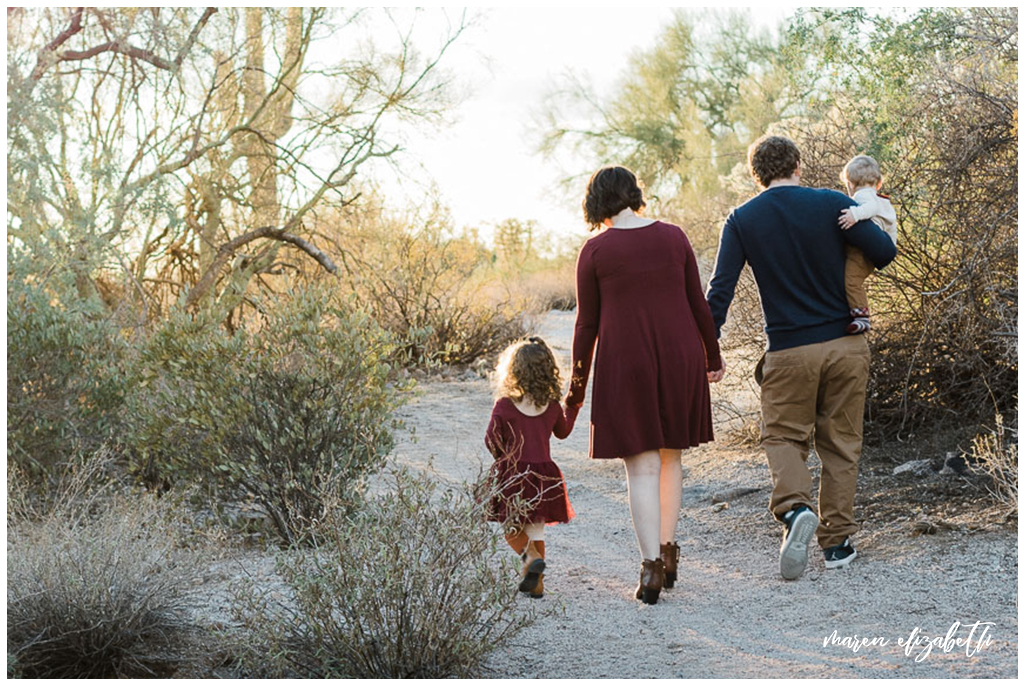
x=643, y=472
x=671, y=492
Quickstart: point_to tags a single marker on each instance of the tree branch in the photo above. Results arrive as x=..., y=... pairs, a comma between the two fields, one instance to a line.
x=224, y=252
x=47, y=56
x=193, y=35
x=116, y=46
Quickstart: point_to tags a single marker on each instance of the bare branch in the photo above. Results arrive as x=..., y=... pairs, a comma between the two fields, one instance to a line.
x=210, y=11
x=48, y=55
x=224, y=252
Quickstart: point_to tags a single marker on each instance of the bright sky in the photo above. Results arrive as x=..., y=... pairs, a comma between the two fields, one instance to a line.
x=485, y=164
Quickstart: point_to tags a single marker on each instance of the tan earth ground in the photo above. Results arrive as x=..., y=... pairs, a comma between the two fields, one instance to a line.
x=731, y=614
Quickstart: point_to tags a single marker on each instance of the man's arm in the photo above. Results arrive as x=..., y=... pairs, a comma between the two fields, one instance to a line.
x=872, y=241
x=728, y=266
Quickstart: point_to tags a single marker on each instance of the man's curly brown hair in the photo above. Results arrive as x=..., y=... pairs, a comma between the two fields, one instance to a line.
x=772, y=157
x=528, y=369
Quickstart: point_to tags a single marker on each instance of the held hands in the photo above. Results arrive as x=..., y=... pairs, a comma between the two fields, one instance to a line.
x=846, y=219
x=716, y=376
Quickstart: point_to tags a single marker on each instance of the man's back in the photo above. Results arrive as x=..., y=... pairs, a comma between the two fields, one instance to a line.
x=813, y=376
x=790, y=236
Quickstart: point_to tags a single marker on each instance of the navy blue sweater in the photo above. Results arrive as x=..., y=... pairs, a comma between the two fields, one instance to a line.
x=790, y=235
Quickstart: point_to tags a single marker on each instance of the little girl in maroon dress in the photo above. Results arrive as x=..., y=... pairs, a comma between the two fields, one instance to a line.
x=530, y=489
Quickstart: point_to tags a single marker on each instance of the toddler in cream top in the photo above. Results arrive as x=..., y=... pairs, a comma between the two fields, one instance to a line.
x=863, y=178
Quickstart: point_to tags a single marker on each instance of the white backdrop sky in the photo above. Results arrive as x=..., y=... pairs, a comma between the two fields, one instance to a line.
x=485, y=164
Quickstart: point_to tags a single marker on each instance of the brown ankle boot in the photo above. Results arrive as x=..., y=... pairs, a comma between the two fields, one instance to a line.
x=652, y=574
x=538, y=590
x=517, y=541
x=533, y=568
x=670, y=556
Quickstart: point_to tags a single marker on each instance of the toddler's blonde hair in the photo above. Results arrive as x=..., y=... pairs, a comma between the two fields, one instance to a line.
x=528, y=369
x=861, y=171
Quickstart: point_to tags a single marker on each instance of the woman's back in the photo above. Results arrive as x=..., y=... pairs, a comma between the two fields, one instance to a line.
x=639, y=297
x=642, y=272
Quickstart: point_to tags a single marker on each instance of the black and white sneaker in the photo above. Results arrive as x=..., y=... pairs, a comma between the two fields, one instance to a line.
x=838, y=556
x=800, y=524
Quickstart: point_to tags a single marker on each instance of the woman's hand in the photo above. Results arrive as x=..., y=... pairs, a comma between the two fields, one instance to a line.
x=716, y=376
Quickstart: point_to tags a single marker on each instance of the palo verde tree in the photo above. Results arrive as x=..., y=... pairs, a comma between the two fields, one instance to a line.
x=182, y=147
x=682, y=114
x=932, y=95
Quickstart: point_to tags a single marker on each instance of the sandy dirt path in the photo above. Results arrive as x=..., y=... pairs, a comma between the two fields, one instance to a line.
x=731, y=614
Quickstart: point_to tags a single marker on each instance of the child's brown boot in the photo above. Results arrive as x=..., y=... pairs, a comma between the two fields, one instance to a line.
x=517, y=541
x=533, y=569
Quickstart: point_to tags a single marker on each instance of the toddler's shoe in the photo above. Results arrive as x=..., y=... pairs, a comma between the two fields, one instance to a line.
x=861, y=322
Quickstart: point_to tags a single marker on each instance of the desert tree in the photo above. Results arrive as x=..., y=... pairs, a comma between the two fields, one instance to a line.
x=182, y=147
x=933, y=96
x=680, y=116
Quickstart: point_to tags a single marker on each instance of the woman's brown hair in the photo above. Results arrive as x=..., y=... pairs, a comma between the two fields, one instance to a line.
x=528, y=369
x=609, y=191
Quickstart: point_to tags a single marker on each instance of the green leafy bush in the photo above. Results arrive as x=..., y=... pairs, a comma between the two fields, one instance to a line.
x=96, y=587
x=286, y=416
x=413, y=585
x=65, y=373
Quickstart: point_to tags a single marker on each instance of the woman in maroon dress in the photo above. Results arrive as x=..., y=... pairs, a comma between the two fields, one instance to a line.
x=639, y=298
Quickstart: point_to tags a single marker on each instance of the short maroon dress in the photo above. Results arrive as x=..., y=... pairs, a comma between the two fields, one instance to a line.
x=522, y=463
x=639, y=298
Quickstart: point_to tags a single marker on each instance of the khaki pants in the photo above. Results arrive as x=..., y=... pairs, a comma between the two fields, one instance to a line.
x=817, y=388
x=857, y=270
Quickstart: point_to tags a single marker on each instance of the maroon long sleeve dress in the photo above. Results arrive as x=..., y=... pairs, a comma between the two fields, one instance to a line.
x=639, y=298
x=523, y=467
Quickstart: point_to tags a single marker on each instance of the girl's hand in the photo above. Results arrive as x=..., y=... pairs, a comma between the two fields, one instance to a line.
x=846, y=219
x=716, y=376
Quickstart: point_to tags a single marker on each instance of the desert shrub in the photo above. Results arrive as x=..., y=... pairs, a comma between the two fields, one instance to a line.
x=284, y=416
x=413, y=585
x=65, y=372
x=547, y=286
x=539, y=267
x=736, y=399
x=436, y=291
x=995, y=452
x=96, y=586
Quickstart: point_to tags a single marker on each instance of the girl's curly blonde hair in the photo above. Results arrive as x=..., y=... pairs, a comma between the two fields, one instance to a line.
x=528, y=369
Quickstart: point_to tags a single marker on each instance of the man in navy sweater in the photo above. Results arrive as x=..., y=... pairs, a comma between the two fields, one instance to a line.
x=814, y=375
